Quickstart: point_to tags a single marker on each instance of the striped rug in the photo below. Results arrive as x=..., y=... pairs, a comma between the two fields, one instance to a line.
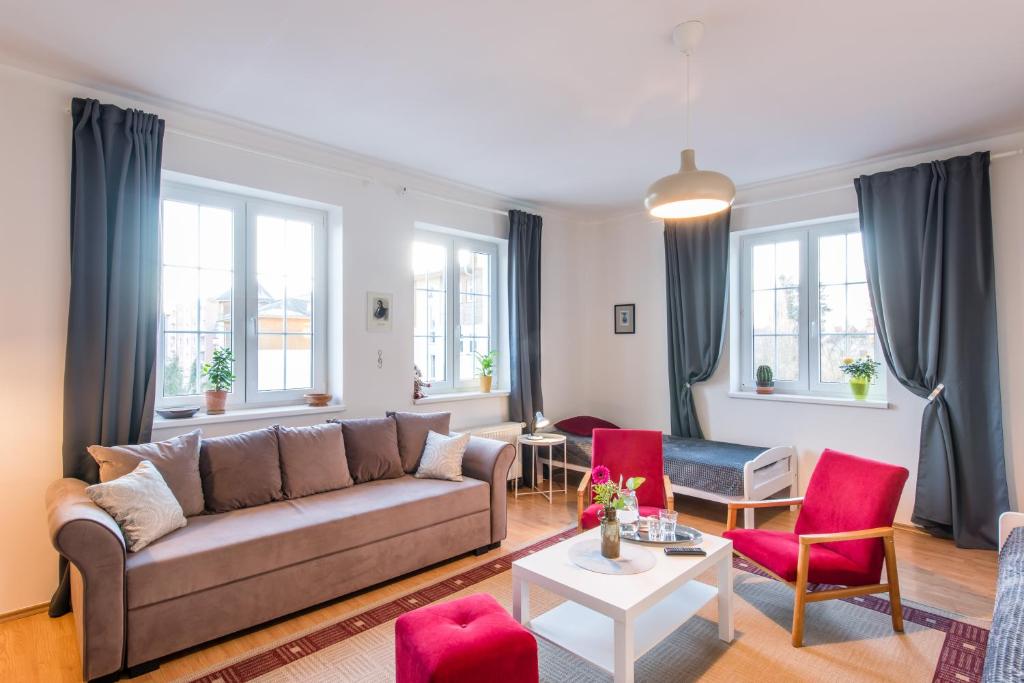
x=846, y=640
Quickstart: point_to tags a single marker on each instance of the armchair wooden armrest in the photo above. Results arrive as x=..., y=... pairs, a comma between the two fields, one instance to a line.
x=730, y=520
x=670, y=495
x=880, y=532
x=582, y=499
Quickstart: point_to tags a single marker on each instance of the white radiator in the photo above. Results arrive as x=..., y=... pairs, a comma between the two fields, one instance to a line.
x=508, y=432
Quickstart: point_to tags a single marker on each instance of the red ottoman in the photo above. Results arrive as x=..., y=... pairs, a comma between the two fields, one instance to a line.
x=463, y=641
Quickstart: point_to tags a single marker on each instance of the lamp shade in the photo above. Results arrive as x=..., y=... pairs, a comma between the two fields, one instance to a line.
x=690, y=192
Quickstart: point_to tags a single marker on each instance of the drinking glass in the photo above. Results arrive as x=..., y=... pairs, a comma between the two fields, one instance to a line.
x=629, y=516
x=668, y=524
x=653, y=528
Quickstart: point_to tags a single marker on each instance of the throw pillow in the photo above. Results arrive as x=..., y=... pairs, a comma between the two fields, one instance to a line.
x=412, y=434
x=141, y=503
x=584, y=425
x=240, y=470
x=371, y=446
x=177, y=461
x=442, y=457
x=312, y=459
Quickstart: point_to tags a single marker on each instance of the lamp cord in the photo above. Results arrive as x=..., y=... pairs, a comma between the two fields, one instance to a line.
x=687, y=90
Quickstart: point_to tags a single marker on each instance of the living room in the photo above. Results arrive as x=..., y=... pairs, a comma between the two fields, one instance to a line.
x=432, y=249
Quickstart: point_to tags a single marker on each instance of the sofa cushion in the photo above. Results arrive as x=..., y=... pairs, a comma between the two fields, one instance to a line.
x=583, y=425
x=176, y=459
x=442, y=457
x=371, y=446
x=216, y=549
x=240, y=470
x=141, y=503
x=312, y=459
x=412, y=434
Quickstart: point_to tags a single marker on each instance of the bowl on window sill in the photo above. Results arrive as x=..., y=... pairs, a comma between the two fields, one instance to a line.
x=317, y=400
x=177, y=413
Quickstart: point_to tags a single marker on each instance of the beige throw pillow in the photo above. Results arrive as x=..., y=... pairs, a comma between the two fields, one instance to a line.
x=442, y=457
x=176, y=459
x=142, y=505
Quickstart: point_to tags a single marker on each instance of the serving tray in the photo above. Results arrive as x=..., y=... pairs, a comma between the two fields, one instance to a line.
x=685, y=536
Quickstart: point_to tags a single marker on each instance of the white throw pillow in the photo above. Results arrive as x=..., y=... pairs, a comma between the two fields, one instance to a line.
x=442, y=457
x=141, y=503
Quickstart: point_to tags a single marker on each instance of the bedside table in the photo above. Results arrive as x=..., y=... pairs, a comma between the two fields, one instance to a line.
x=550, y=441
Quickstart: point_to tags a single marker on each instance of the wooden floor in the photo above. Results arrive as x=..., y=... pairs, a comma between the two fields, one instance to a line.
x=932, y=571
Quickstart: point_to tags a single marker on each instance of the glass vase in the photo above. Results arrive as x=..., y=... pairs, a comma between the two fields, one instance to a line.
x=610, y=538
x=629, y=514
x=860, y=388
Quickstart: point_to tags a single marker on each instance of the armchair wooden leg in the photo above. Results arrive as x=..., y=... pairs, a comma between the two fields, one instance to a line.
x=730, y=519
x=893, y=578
x=800, y=599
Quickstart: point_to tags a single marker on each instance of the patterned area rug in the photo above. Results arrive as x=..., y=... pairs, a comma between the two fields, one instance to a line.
x=846, y=640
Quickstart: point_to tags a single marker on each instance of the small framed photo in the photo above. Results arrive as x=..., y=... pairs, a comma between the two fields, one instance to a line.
x=625, y=318
x=378, y=312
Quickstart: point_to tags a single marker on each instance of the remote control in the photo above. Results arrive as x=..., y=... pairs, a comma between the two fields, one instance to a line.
x=686, y=552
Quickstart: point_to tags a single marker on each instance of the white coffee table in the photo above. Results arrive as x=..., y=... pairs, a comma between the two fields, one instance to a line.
x=613, y=620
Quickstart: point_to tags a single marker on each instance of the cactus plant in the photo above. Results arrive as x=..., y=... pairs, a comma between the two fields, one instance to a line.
x=765, y=379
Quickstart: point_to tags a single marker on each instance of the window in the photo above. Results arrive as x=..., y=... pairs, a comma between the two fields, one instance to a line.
x=245, y=274
x=455, y=313
x=804, y=307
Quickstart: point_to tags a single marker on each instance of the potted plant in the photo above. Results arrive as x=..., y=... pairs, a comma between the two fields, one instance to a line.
x=861, y=373
x=612, y=497
x=219, y=377
x=486, y=363
x=765, y=380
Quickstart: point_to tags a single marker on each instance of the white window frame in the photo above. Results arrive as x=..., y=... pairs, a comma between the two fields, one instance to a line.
x=809, y=383
x=453, y=330
x=244, y=208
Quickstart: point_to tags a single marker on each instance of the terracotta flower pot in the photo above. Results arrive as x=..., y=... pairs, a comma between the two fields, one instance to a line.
x=215, y=402
x=485, y=383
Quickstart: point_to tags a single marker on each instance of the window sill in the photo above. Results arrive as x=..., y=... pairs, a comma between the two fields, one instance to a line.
x=460, y=396
x=246, y=414
x=878, y=404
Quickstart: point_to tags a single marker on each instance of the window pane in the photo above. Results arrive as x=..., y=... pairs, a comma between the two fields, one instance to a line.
x=763, y=263
x=764, y=312
x=299, y=305
x=428, y=265
x=764, y=352
x=787, y=264
x=270, y=362
x=832, y=259
x=855, y=258
x=299, y=361
x=832, y=309
x=180, y=292
x=860, y=345
x=216, y=229
x=470, y=346
x=474, y=272
x=430, y=358
x=858, y=309
x=180, y=228
x=833, y=348
x=299, y=250
x=270, y=246
x=787, y=311
x=475, y=315
x=215, y=296
x=787, y=363
x=179, y=369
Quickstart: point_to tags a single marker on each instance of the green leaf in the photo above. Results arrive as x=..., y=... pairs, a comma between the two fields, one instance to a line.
x=633, y=483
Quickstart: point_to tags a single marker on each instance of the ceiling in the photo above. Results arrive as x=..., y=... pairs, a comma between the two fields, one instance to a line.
x=573, y=103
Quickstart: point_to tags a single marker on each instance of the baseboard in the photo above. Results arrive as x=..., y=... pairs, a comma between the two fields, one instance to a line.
x=24, y=612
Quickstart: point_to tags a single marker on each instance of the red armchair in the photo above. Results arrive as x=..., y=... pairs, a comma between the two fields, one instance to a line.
x=627, y=453
x=842, y=535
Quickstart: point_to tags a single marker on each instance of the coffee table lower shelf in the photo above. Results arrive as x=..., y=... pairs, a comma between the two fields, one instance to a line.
x=591, y=635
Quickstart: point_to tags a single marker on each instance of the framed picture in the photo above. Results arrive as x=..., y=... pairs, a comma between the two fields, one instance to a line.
x=378, y=312
x=625, y=318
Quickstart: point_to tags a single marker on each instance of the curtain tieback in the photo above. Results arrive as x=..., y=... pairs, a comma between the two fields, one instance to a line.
x=935, y=392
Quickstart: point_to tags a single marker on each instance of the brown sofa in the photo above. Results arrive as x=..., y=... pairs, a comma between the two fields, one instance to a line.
x=227, y=571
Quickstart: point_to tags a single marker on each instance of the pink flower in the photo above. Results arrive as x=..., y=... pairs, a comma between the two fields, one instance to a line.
x=601, y=474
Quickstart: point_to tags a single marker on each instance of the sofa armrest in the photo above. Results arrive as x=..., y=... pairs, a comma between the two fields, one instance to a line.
x=91, y=541
x=489, y=460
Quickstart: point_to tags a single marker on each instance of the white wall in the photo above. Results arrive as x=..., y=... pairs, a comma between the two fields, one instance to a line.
x=374, y=254
x=629, y=383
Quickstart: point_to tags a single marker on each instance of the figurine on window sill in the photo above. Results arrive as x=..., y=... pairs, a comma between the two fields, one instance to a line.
x=418, y=385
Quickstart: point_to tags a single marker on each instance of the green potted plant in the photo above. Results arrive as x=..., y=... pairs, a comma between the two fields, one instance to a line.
x=219, y=378
x=861, y=373
x=765, y=380
x=486, y=363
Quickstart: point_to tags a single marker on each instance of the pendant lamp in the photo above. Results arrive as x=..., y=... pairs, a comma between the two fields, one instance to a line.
x=690, y=192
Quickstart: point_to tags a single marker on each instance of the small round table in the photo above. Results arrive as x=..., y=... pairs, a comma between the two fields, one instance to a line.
x=549, y=440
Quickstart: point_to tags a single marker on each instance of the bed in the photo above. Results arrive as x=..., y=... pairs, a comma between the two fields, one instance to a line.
x=712, y=470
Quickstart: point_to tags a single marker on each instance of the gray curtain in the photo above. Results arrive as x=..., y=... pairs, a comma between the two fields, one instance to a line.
x=697, y=280
x=927, y=234
x=110, y=363
x=526, y=399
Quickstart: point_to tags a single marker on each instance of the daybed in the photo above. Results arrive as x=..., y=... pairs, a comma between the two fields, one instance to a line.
x=1004, y=658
